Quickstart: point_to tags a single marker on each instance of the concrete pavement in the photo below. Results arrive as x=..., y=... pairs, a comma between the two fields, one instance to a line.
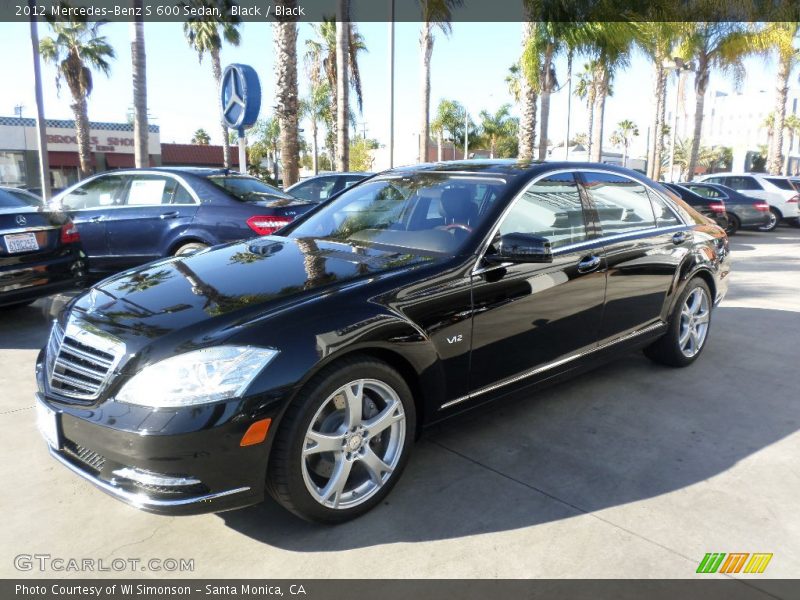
x=633, y=470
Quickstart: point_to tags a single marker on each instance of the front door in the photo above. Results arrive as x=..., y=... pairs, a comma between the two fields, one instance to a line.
x=528, y=316
x=90, y=206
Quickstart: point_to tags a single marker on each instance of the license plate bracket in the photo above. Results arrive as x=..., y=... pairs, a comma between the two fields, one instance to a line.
x=47, y=422
x=20, y=242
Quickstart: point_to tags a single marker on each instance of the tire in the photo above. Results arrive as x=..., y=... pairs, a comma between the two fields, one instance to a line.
x=775, y=219
x=304, y=482
x=190, y=248
x=796, y=222
x=674, y=348
x=733, y=224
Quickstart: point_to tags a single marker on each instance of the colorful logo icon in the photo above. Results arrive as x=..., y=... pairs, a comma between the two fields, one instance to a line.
x=734, y=562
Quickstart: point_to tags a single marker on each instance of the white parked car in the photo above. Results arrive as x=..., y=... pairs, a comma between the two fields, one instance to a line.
x=779, y=192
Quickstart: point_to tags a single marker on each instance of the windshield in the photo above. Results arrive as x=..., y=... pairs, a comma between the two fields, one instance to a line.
x=248, y=189
x=14, y=199
x=430, y=212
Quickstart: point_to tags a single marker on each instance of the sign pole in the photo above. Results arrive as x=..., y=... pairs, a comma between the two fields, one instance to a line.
x=242, y=152
x=44, y=161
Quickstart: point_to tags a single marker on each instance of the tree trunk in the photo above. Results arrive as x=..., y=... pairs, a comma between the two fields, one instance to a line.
x=492, y=145
x=700, y=87
x=139, y=64
x=216, y=69
x=342, y=86
x=285, y=44
x=527, y=124
x=439, y=146
x=426, y=48
x=80, y=110
x=775, y=165
x=547, y=89
x=315, y=148
x=598, y=112
x=656, y=146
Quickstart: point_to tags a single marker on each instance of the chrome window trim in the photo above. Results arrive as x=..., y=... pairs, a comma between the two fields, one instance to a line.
x=551, y=365
x=57, y=201
x=477, y=269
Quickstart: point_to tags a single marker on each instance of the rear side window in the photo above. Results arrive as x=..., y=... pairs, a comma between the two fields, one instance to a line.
x=623, y=204
x=550, y=208
x=743, y=183
x=719, y=180
x=782, y=184
x=665, y=216
x=150, y=190
x=97, y=193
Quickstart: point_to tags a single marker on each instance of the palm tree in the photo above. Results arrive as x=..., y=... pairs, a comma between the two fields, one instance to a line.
x=657, y=39
x=342, y=85
x=75, y=48
x=205, y=35
x=285, y=44
x=623, y=136
x=780, y=37
x=526, y=134
x=317, y=108
x=497, y=125
x=139, y=64
x=449, y=119
x=320, y=65
x=609, y=46
x=586, y=89
x=201, y=137
x=435, y=13
x=715, y=45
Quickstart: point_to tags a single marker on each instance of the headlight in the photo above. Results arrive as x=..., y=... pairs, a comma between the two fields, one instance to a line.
x=197, y=377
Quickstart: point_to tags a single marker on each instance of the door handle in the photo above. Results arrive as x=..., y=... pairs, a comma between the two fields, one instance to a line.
x=680, y=237
x=589, y=264
x=96, y=219
x=170, y=215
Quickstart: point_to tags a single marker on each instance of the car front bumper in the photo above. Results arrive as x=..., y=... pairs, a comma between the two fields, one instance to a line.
x=163, y=462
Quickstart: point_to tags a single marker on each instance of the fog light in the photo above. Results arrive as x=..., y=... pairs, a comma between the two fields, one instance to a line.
x=256, y=433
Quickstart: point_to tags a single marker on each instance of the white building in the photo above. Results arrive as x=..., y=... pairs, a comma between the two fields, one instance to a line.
x=737, y=120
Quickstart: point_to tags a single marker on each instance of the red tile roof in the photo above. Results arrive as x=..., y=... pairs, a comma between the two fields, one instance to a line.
x=195, y=155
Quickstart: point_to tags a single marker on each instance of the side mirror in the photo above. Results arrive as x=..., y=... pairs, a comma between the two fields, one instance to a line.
x=522, y=248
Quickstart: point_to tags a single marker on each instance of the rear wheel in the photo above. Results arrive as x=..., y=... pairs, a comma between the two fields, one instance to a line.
x=688, y=327
x=774, y=219
x=733, y=224
x=343, y=442
x=190, y=248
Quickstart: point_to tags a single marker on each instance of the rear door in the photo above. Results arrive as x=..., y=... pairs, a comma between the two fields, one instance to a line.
x=90, y=205
x=644, y=242
x=154, y=206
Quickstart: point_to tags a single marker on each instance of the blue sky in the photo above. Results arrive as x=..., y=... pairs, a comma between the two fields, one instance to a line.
x=470, y=66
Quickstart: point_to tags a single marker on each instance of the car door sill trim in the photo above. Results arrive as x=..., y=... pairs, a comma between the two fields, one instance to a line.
x=551, y=365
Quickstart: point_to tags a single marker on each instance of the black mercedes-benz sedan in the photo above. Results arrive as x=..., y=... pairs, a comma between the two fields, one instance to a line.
x=40, y=250
x=743, y=211
x=304, y=364
x=714, y=209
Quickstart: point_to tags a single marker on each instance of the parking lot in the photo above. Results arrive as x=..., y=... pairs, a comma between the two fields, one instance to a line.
x=635, y=471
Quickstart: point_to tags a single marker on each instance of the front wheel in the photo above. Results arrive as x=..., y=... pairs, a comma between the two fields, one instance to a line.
x=343, y=442
x=688, y=328
x=772, y=224
x=733, y=224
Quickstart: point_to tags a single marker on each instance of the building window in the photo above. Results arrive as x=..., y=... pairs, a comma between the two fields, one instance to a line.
x=12, y=169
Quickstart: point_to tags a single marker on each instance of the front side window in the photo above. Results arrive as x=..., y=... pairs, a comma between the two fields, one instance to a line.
x=623, y=204
x=98, y=193
x=427, y=211
x=550, y=208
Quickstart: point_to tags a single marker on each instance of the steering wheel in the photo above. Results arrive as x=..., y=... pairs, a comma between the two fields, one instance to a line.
x=453, y=226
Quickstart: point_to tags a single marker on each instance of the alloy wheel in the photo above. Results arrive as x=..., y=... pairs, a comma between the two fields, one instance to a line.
x=695, y=316
x=353, y=443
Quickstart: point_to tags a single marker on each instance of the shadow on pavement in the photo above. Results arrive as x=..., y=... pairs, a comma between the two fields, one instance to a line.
x=628, y=431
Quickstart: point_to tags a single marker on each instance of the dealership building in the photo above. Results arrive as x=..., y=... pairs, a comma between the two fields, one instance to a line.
x=112, y=147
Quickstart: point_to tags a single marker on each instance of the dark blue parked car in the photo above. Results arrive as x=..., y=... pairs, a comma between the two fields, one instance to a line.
x=130, y=217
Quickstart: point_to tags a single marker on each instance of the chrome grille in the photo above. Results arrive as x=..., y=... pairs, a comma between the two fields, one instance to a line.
x=81, y=360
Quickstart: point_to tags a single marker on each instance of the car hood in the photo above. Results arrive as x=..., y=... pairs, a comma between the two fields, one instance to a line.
x=230, y=284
